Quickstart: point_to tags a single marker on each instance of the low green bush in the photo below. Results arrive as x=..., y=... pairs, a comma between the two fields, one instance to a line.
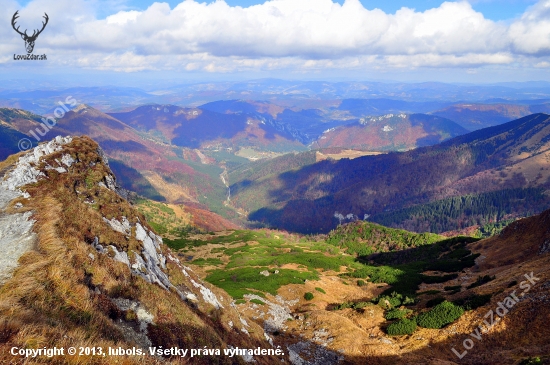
x=360, y=305
x=308, y=296
x=531, y=361
x=481, y=280
x=321, y=290
x=397, y=313
x=434, y=301
x=430, y=292
x=440, y=315
x=402, y=327
x=453, y=288
x=474, y=301
x=257, y=301
x=394, y=300
x=429, y=279
x=361, y=283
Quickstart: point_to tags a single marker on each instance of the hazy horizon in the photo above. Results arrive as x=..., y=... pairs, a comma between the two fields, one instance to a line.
x=139, y=41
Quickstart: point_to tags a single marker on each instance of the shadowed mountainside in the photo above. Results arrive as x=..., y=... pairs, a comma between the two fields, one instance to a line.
x=512, y=155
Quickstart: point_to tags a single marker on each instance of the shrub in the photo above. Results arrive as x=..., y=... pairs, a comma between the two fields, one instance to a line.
x=397, y=313
x=320, y=290
x=430, y=292
x=438, y=279
x=394, y=300
x=474, y=301
x=402, y=327
x=481, y=280
x=439, y=316
x=531, y=361
x=434, y=301
x=257, y=301
x=453, y=288
x=360, y=305
x=388, y=302
x=356, y=306
x=361, y=283
x=308, y=296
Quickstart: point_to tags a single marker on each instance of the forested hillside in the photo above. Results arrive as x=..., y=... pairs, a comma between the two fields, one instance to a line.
x=514, y=155
x=468, y=210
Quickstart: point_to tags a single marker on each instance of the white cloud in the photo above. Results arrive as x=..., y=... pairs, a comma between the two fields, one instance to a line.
x=531, y=33
x=280, y=34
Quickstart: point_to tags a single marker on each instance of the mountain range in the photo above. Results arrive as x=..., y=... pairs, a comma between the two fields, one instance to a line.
x=84, y=268
x=339, y=223
x=42, y=98
x=509, y=156
x=205, y=157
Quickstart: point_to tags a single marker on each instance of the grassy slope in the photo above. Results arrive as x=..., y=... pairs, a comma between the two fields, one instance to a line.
x=60, y=295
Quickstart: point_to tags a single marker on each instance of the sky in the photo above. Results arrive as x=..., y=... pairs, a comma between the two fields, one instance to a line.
x=491, y=9
x=454, y=41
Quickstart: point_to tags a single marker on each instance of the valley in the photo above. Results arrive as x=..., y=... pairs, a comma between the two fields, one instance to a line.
x=335, y=157
x=338, y=230
x=275, y=182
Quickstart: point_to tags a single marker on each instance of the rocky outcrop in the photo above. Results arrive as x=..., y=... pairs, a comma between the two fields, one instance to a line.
x=16, y=235
x=25, y=170
x=97, y=255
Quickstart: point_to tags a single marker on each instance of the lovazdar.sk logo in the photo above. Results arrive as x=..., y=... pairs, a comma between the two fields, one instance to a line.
x=29, y=39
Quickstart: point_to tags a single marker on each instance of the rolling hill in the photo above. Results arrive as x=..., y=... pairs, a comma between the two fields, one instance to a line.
x=92, y=271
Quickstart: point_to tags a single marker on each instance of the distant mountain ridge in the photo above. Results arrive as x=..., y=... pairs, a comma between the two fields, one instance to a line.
x=204, y=128
x=391, y=132
x=479, y=116
x=42, y=98
x=508, y=156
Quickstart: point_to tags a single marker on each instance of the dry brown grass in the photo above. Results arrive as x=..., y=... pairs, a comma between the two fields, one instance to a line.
x=4, y=165
x=51, y=299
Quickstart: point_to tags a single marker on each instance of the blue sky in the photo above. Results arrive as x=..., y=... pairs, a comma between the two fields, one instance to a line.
x=461, y=41
x=492, y=9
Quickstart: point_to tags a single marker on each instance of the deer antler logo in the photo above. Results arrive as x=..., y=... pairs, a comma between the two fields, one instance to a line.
x=29, y=40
